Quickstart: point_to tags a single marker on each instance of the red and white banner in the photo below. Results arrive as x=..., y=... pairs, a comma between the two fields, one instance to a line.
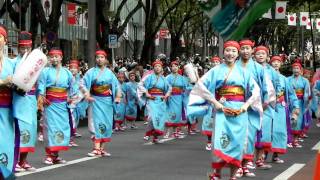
x=292, y=19
x=267, y=14
x=163, y=33
x=71, y=11
x=318, y=23
x=182, y=42
x=280, y=10
x=304, y=16
x=310, y=23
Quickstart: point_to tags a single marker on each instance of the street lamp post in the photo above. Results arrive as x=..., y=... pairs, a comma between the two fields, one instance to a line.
x=91, y=32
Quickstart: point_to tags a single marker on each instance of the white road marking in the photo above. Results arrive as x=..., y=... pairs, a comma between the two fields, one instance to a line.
x=289, y=172
x=47, y=168
x=316, y=147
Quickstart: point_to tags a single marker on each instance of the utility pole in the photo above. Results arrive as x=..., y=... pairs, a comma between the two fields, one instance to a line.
x=91, y=32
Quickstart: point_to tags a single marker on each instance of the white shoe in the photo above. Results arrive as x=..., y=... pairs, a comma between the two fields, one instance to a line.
x=208, y=146
x=318, y=124
x=146, y=138
x=239, y=173
x=40, y=137
x=146, y=123
x=18, y=168
x=250, y=165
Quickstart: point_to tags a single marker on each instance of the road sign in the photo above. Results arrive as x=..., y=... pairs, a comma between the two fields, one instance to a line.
x=113, y=41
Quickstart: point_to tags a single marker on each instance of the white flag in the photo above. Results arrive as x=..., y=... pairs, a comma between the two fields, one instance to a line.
x=292, y=19
x=182, y=42
x=318, y=23
x=156, y=39
x=85, y=19
x=267, y=14
x=47, y=7
x=303, y=18
x=280, y=9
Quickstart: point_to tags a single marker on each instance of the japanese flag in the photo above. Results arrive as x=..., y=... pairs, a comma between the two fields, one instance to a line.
x=309, y=23
x=280, y=9
x=318, y=23
x=292, y=19
x=304, y=16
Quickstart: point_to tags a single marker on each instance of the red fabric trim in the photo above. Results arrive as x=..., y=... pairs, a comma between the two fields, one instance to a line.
x=248, y=156
x=102, y=140
x=296, y=132
x=266, y=144
x=101, y=52
x=170, y=124
x=57, y=148
x=207, y=133
x=118, y=121
x=3, y=32
x=130, y=118
x=228, y=159
x=27, y=149
x=218, y=165
x=279, y=150
x=149, y=133
x=158, y=132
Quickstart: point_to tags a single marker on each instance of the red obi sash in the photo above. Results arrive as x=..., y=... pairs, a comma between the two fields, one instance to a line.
x=299, y=93
x=231, y=93
x=5, y=97
x=156, y=92
x=176, y=90
x=56, y=94
x=101, y=90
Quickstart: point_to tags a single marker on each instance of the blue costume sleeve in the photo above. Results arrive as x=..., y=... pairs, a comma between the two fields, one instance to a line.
x=42, y=83
x=292, y=97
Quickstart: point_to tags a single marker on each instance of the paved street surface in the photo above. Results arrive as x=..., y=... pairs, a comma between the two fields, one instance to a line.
x=132, y=158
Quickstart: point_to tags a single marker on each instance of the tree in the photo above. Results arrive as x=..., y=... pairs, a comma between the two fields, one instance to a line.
x=14, y=9
x=153, y=22
x=110, y=22
x=177, y=19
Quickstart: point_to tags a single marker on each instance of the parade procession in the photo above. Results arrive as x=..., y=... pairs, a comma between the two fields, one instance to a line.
x=168, y=89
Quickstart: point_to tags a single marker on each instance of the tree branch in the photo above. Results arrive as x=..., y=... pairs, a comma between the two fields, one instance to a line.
x=132, y=12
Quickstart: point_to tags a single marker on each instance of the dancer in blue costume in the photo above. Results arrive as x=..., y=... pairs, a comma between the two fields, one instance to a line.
x=132, y=100
x=231, y=90
x=254, y=126
x=287, y=102
x=157, y=90
x=175, y=101
x=302, y=89
x=77, y=105
x=105, y=90
x=207, y=122
x=55, y=87
x=9, y=134
x=261, y=54
x=308, y=115
x=27, y=116
x=120, y=108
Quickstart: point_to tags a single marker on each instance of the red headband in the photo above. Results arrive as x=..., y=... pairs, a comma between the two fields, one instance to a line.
x=74, y=63
x=275, y=58
x=261, y=48
x=3, y=32
x=101, y=52
x=215, y=59
x=55, y=51
x=25, y=42
x=175, y=63
x=231, y=44
x=157, y=62
x=246, y=42
x=297, y=64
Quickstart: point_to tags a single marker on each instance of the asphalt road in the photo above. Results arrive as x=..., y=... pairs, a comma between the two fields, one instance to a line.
x=132, y=158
